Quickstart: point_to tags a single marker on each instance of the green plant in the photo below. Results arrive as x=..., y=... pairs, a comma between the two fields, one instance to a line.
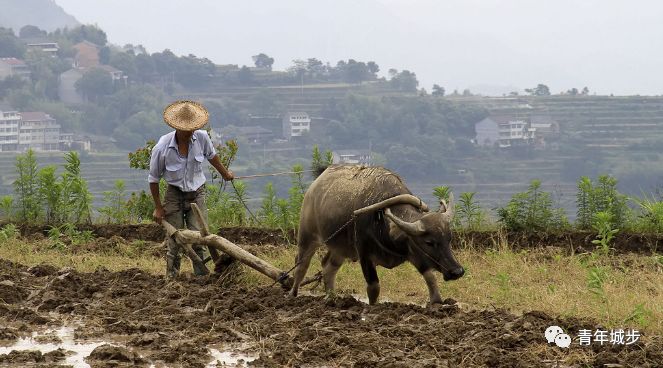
x=26, y=187
x=602, y=224
x=140, y=158
x=7, y=232
x=76, y=198
x=227, y=154
x=442, y=192
x=6, y=206
x=296, y=195
x=318, y=161
x=651, y=216
x=139, y=206
x=584, y=201
x=116, y=210
x=532, y=211
x=50, y=192
x=601, y=196
x=268, y=209
x=596, y=277
x=640, y=315
x=469, y=212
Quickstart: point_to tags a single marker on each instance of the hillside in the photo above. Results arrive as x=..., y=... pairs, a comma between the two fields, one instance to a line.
x=45, y=14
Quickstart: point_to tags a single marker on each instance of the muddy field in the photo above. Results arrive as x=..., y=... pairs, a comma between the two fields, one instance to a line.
x=137, y=319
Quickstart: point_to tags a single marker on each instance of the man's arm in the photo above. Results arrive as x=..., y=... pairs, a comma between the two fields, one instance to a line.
x=158, y=213
x=225, y=173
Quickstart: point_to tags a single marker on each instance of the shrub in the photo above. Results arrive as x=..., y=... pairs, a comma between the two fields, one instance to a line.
x=7, y=206
x=601, y=196
x=26, y=187
x=532, y=211
x=468, y=212
x=116, y=209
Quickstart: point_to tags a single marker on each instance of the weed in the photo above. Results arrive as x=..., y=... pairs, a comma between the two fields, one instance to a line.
x=640, y=315
x=469, y=212
x=602, y=224
x=26, y=187
x=7, y=206
x=532, y=211
x=8, y=232
x=116, y=209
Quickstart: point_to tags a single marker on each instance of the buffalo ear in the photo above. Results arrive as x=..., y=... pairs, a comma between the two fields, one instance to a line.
x=447, y=209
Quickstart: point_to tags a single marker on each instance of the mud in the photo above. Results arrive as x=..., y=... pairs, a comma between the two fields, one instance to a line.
x=572, y=241
x=176, y=323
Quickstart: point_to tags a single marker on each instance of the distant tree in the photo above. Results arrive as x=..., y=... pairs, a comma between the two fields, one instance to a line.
x=145, y=67
x=392, y=73
x=30, y=31
x=245, y=76
x=405, y=81
x=513, y=93
x=94, y=84
x=467, y=92
x=438, y=90
x=138, y=128
x=263, y=61
x=315, y=68
x=355, y=72
x=88, y=33
x=298, y=68
x=10, y=45
x=373, y=68
x=585, y=91
x=573, y=92
x=126, y=62
x=539, y=90
x=11, y=83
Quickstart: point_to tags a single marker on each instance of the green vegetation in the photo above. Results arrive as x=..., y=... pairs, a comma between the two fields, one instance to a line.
x=532, y=211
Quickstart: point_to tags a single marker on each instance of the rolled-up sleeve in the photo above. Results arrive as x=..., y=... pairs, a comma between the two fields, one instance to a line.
x=157, y=165
x=208, y=146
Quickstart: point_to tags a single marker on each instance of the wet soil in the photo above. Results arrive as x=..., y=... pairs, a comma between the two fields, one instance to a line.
x=572, y=241
x=174, y=323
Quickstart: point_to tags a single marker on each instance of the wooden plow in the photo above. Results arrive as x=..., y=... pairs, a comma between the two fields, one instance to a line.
x=185, y=238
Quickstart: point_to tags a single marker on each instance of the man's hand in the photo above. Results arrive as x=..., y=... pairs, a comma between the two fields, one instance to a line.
x=228, y=175
x=158, y=215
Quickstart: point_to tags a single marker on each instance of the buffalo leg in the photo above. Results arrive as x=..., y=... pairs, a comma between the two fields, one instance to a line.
x=330, y=265
x=433, y=290
x=307, y=247
x=372, y=281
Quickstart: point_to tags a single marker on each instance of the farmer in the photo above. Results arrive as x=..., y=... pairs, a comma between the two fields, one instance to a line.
x=179, y=158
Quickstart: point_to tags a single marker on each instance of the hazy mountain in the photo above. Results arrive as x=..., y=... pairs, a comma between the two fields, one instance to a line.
x=45, y=14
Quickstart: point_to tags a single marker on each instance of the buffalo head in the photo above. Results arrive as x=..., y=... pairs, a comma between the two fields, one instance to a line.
x=429, y=240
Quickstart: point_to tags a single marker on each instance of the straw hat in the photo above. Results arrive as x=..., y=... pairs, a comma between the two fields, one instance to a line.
x=185, y=115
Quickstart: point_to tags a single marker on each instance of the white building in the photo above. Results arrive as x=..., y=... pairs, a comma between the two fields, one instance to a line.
x=295, y=124
x=9, y=125
x=45, y=46
x=503, y=131
x=356, y=157
x=39, y=131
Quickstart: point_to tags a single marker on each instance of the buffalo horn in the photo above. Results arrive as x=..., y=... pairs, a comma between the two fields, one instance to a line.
x=411, y=228
x=399, y=199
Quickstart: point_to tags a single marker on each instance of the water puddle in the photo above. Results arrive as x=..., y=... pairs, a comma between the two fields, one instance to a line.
x=63, y=338
x=78, y=351
x=229, y=358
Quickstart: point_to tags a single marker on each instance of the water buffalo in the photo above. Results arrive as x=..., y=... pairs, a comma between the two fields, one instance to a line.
x=390, y=226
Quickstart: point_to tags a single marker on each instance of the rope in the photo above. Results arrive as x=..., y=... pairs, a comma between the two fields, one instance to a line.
x=272, y=174
x=244, y=204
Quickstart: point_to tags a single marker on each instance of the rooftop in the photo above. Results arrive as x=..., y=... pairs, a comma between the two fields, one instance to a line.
x=35, y=116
